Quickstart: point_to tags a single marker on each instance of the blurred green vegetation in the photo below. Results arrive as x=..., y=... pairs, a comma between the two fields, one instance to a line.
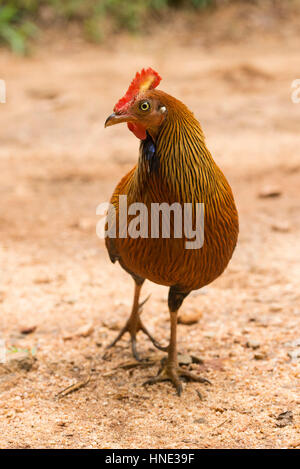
x=21, y=20
x=14, y=28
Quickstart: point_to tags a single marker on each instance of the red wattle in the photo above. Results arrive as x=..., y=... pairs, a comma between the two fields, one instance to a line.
x=138, y=130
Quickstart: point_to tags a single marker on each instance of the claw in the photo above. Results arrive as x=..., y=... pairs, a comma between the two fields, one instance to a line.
x=119, y=336
x=172, y=373
x=134, y=350
x=154, y=341
x=142, y=303
x=132, y=326
x=158, y=379
x=191, y=377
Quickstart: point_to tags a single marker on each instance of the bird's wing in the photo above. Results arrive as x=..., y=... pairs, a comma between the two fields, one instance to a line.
x=113, y=216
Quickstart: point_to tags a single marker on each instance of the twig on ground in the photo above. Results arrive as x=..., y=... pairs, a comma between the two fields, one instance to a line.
x=73, y=388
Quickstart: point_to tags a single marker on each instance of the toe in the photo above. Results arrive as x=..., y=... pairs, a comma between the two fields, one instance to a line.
x=176, y=382
x=134, y=350
x=190, y=376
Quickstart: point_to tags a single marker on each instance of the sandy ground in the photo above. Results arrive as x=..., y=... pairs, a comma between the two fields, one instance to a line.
x=61, y=299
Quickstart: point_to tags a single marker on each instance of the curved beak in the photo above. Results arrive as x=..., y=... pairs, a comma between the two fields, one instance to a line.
x=116, y=119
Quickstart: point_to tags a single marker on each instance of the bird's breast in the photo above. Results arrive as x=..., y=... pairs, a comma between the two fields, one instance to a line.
x=151, y=251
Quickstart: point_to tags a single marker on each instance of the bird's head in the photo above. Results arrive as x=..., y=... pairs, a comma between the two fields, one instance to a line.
x=141, y=107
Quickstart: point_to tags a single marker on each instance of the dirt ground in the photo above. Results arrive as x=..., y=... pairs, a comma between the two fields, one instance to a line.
x=61, y=299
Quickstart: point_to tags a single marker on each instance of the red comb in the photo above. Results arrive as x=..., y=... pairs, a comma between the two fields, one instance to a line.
x=145, y=80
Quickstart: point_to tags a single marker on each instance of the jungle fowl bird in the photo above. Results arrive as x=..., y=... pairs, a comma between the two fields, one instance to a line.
x=174, y=166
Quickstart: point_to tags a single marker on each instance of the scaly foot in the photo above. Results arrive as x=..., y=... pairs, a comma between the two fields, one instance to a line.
x=172, y=372
x=133, y=326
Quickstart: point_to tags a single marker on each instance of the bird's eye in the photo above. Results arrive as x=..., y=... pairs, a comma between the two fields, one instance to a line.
x=144, y=106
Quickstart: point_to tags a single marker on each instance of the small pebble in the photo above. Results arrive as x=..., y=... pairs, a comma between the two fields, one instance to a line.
x=260, y=356
x=253, y=344
x=282, y=227
x=269, y=191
